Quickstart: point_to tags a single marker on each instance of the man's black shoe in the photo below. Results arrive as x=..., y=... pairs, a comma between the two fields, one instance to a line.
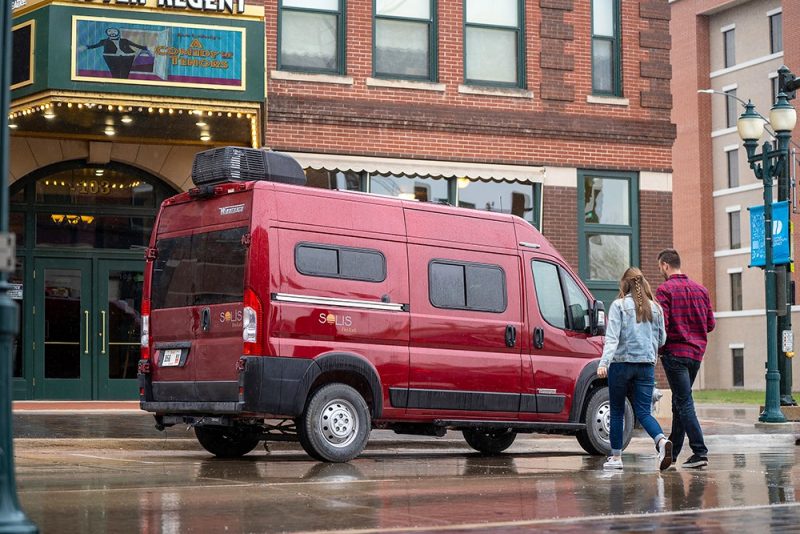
x=695, y=461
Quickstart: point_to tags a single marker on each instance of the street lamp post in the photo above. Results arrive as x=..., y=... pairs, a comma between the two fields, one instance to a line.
x=769, y=164
x=12, y=518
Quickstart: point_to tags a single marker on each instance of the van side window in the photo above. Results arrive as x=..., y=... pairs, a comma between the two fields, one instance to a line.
x=467, y=286
x=199, y=270
x=340, y=262
x=562, y=302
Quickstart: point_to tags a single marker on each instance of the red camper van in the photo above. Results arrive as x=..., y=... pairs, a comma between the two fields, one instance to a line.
x=274, y=311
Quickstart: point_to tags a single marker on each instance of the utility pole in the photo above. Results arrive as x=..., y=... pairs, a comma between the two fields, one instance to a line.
x=787, y=84
x=12, y=518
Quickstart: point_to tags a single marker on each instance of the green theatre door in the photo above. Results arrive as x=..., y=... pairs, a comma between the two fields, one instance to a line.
x=86, y=328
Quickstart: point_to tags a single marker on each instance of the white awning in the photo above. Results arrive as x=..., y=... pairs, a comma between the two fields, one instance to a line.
x=420, y=167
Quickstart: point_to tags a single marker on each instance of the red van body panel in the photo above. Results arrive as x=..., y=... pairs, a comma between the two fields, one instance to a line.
x=429, y=362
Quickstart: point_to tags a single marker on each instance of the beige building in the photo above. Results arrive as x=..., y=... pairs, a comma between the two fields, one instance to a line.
x=733, y=47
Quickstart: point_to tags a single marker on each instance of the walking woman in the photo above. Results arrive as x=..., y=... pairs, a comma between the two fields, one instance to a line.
x=634, y=333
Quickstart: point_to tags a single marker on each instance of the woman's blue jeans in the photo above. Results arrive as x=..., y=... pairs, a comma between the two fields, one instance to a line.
x=640, y=379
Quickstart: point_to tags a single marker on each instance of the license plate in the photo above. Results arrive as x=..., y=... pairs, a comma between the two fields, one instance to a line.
x=172, y=358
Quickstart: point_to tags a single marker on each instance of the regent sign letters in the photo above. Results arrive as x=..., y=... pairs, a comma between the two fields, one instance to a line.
x=231, y=6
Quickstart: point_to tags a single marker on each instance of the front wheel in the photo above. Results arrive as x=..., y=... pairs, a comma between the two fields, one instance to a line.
x=226, y=442
x=596, y=437
x=489, y=441
x=335, y=425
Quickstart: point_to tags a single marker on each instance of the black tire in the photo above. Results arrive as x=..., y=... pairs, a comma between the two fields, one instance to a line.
x=595, y=438
x=335, y=425
x=489, y=441
x=226, y=442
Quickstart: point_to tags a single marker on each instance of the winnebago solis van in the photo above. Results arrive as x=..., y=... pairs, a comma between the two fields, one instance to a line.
x=274, y=311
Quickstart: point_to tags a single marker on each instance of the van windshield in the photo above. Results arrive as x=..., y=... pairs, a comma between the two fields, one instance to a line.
x=199, y=269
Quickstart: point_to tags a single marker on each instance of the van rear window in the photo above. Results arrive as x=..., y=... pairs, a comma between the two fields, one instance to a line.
x=199, y=270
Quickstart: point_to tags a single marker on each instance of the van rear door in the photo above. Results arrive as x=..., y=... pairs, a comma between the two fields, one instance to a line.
x=197, y=294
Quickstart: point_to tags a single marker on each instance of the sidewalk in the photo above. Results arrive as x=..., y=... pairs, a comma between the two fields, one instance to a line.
x=723, y=425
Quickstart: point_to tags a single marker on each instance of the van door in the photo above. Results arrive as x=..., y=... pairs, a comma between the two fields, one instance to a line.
x=558, y=308
x=466, y=321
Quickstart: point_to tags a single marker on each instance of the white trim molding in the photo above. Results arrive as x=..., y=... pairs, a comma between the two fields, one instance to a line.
x=511, y=92
x=655, y=181
x=731, y=252
x=724, y=131
x=736, y=190
x=343, y=303
x=608, y=100
x=731, y=87
x=730, y=148
x=727, y=27
x=735, y=270
x=775, y=11
x=405, y=84
x=735, y=345
x=747, y=313
x=731, y=209
x=306, y=77
x=746, y=64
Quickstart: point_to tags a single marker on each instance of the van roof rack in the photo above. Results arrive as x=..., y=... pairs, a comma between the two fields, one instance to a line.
x=240, y=164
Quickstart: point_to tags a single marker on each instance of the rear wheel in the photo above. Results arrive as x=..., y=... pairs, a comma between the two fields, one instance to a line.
x=489, y=441
x=226, y=442
x=596, y=437
x=335, y=425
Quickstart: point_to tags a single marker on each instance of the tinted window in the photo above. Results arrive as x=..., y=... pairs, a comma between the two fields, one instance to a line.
x=548, y=294
x=340, y=262
x=199, y=270
x=467, y=286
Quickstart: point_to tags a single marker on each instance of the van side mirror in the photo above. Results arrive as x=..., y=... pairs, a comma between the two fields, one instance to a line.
x=597, y=318
x=577, y=317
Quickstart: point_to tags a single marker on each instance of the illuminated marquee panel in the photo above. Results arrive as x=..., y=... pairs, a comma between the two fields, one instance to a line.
x=143, y=52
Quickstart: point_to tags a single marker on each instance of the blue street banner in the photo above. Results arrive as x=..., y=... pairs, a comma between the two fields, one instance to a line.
x=157, y=53
x=781, y=236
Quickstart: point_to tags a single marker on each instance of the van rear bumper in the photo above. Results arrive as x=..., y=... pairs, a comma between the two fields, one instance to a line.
x=267, y=385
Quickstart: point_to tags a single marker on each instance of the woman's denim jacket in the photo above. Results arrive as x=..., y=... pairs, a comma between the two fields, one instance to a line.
x=629, y=341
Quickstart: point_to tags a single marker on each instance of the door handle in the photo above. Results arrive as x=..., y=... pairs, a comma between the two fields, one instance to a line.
x=511, y=335
x=86, y=326
x=103, y=334
x=205, y=319
x=538, y=337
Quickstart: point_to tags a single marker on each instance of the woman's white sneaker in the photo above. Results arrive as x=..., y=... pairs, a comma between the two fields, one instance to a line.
x=613, y=463
x=664, y=454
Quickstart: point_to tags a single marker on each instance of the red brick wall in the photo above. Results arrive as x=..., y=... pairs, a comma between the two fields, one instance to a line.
x=555, y=127
x=560, y=221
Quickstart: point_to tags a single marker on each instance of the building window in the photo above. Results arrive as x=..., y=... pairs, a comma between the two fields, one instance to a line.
x=493, y=42
x=736, y=291
x=776, y=33
x=733, y=167
x=404, y=39
x=522, y=199
x=341, y=180
x=608, y=229
x=731, y=114
x=738, y=367
x=311, y=36
x=735, y=231
x=606, y=70
x=729, y=44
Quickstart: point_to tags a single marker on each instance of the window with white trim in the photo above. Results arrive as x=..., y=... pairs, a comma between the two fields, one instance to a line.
x=311, y=36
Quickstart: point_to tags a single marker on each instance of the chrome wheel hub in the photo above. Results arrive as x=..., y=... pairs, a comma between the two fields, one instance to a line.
x=338, y=423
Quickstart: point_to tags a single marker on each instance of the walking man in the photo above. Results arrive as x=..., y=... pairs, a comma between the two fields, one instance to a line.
x=689, y=318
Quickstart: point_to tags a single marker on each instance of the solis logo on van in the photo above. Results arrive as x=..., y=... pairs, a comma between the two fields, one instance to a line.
x=343, y=323
x=233, y=317
x=230, y=210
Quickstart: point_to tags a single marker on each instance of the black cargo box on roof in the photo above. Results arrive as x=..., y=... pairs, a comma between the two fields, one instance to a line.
x=238, y=164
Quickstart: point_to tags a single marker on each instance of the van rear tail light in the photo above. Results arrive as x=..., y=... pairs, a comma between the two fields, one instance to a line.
x=252, y=324
x=145, y=351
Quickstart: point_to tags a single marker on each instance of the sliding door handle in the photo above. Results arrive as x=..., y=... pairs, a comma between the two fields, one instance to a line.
x=511, y=335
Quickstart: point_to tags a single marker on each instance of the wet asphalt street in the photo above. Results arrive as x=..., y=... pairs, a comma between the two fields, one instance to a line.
x=543, y=484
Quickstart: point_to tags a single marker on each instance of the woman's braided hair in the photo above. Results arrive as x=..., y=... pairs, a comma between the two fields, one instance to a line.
x=634, y=283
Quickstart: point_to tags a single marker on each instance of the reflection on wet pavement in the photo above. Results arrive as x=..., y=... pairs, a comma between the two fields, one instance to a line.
x=81, y=489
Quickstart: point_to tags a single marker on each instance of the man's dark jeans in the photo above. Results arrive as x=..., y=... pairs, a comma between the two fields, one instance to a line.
x=681, y=373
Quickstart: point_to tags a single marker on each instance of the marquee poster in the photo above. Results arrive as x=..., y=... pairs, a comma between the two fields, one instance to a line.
x=164, y=54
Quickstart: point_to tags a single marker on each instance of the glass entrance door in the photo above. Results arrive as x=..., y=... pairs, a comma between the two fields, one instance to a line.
x=62, y=316
x=119, y=304
x=87, y=328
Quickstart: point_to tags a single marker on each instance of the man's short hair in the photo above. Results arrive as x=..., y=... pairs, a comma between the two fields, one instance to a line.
x=670, y=257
